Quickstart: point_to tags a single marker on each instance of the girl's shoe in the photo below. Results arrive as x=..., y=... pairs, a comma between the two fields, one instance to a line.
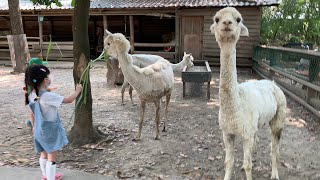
x=58, y=176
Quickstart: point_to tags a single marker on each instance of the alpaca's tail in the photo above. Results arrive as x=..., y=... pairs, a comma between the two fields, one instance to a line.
x=279, y=119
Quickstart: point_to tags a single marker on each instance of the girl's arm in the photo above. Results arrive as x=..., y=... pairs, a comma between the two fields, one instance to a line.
x=74, y=95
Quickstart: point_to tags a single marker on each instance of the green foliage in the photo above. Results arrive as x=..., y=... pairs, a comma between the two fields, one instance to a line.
x=47, y=3
x=292, y=20
x=73, y=3
x=84, y=79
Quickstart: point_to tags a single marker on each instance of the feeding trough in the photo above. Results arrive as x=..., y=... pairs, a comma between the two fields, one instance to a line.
x=200, y=72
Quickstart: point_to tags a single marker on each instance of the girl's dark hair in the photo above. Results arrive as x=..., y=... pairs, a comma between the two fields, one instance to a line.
x=34, y=76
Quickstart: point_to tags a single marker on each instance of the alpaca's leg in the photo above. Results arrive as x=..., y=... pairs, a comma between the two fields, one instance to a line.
x=130, y=93
x=247, y=162
x=123, y=89
x=157, y=104
x=142, y=108
x=254, y=148
x=228, y=140
x=166, y=112
x=275, y=153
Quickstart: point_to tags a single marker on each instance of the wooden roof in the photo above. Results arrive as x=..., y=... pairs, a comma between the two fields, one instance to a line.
x=26, y=5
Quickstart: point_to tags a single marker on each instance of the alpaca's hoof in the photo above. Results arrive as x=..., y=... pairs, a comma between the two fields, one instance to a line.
x=133, y=104
x=156, y=138
x=242, y=168
x=275, y=176
x=164, y=130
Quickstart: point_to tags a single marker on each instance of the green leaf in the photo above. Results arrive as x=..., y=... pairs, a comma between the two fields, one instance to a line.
x=49, y=48
x=73, y=3
x=58, y=3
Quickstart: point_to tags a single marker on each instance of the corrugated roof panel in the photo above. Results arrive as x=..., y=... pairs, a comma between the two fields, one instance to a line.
x=114, y=4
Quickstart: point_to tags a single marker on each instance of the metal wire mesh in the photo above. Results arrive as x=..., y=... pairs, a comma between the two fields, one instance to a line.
x=299, y=63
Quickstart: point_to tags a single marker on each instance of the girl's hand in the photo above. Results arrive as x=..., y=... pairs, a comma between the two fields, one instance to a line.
x=52, y=89
x=78, y=88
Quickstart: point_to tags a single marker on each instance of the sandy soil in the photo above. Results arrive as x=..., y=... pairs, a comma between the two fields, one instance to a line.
x=192, y=147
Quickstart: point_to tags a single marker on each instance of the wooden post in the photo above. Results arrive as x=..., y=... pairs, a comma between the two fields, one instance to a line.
x=177, y=37
x=313, y=76
x=40, y=20
x=105, y=25
x=51, y=29
x=131, y=34
x=273, y=60
x=19, y=51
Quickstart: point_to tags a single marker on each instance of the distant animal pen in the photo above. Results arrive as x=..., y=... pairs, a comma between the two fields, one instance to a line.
x=295, y=71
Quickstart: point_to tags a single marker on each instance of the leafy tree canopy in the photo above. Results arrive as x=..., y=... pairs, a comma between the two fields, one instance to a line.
x=47, y=2
x=292, y=20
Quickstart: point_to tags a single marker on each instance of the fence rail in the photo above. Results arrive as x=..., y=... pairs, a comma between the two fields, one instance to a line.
x=295, y=71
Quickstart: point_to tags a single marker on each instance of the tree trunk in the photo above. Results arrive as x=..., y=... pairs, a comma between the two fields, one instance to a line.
x=114, y=73
x=82, y=131
x=20, y=57
x=15, y=17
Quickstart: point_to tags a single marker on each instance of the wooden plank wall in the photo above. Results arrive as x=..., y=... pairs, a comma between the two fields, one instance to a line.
x=252, y=20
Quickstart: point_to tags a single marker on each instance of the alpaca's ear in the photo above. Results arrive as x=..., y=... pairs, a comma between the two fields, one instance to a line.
x=184, y=53
x=108, y=32
x=244, y=30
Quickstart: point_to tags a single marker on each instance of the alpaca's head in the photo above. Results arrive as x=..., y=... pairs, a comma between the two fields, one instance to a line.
x=227, y=25
x=116, y=43
x=188, y=58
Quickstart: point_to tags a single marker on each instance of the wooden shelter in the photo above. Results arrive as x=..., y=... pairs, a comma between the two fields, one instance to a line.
x=166, y=28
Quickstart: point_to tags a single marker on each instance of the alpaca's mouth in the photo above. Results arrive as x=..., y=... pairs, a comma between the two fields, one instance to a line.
x=226, y=29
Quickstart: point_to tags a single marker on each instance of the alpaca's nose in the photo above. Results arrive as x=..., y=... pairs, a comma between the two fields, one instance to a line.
x=227, y=22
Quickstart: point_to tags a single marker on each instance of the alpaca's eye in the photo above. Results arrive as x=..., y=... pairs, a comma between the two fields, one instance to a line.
x=108, y=44
x=216, y=20
x=238, y=20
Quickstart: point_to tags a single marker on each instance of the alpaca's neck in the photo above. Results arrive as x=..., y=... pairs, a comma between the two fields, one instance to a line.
x=179, y=66
x=228, y=91
x=129, y=71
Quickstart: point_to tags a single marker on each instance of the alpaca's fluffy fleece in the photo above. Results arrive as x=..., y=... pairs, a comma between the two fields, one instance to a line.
x=151, y=82
x=143, y=60
x=259, y=102
x=244, y=107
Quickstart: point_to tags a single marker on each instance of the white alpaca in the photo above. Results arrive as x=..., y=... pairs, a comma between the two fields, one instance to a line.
x=244, y=107
x=143, y=60
x=151, y=82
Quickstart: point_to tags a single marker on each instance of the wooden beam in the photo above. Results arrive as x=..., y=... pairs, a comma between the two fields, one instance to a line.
x=40, y=34
x=105, y=25
x=153, y=44
x=131, y=34
x=177, y=37
x=161, y=15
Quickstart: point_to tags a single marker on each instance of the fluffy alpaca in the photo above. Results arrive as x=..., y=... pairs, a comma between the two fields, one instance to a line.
x=244, y=107
x=143, y=60
x=151, y=82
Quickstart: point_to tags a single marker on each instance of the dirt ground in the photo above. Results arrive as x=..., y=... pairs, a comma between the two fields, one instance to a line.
x=192, y=147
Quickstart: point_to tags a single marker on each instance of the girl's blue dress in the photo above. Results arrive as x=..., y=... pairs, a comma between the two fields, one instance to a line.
x=49, y=136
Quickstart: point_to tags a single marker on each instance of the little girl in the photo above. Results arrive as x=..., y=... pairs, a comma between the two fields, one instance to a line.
x=49, y=134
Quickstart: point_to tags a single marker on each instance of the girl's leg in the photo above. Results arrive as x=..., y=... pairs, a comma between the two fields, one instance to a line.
x=43, y=161
x=51, y=166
